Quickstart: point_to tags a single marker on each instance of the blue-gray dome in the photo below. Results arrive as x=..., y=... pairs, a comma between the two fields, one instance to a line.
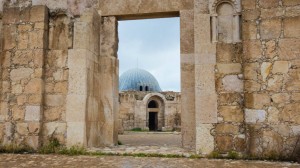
x=138, y=80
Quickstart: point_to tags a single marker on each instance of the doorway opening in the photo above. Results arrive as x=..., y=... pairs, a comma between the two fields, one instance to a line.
x=153, y=121
x=149, y=82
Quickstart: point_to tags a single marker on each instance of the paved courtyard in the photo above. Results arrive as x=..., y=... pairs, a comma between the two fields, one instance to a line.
x=168, y=139
x=147, y=142
x=61, y=161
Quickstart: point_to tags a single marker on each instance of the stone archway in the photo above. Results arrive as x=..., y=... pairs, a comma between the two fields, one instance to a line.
x=155, y=112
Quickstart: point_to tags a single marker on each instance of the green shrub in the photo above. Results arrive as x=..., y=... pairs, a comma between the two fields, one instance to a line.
x=233, y=155
x=214, y=155
x=53, y=146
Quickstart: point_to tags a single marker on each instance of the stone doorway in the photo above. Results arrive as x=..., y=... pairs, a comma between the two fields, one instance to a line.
x=153, y=121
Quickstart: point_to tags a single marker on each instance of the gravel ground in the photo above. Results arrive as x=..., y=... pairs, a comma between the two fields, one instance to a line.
x=62, y=161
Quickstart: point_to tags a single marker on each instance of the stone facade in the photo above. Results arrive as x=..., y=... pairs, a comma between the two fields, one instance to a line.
x=240, y=66
x=134, y=111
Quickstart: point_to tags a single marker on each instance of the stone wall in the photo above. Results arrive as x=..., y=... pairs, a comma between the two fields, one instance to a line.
x=271, y=70
x=23, y=55
x=240, y=85
x=56, y=79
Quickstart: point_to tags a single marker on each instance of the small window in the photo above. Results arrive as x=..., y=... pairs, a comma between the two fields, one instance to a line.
x=147, y=88
x=141, y=88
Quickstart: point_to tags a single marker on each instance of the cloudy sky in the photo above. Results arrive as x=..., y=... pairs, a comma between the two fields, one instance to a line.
x=153, y=45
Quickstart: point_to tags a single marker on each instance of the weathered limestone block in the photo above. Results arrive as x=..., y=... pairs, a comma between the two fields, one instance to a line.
x=204, y=140
x=21, y=73
x=257, y=100
x=272, y=13
x=232, y=83
x=228, y=53
x=234, y=68
x=252, y=50
x=275, y=83
x=282, y=129
x=271, y=49
x=34, y=86
x=273, y=115
x=251, y=15
x=187, y=34
x=59, y=33
x=281, y=67
x=9, y=36
x=54, y=113
x=295, y=97
x=54, y=100
x=291, y=27
x=289, y=48
x=77, y=63
x=292, y=11
x=53, y=128
x=252, y=86
x=249, y=4
x=265, y=70
x=34, y=127
x=270, y=29
x=33, y=113
x=280, y=98
x=22, y=129
x=268, y=3
x=227, y=129
x=290, y=113
x=224, y=143
x=127, y=7
x=230, y=99
x=296, y=130
x=231, y=113
x=255, y=116
x=249, y=30
x=290, y=2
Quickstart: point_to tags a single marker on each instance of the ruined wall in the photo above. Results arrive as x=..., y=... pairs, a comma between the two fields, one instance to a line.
x=24, y=49
x=271, y=70
x=236, y=95
x=56, y=78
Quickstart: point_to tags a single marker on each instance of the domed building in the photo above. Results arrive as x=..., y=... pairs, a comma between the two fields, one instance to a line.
x=143, y=104
x=138, y=80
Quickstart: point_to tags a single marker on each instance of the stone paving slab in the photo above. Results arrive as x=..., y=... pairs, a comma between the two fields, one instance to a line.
x=124, y=149
x=62, y=161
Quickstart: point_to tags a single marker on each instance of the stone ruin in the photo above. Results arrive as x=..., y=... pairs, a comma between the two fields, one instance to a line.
x=240, y=68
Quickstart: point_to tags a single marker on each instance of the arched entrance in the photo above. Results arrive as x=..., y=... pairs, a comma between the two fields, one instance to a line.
x=155, y=111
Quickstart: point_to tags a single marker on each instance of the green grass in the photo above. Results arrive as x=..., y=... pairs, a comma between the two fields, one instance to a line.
x=137, y=129
x=16, y=149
